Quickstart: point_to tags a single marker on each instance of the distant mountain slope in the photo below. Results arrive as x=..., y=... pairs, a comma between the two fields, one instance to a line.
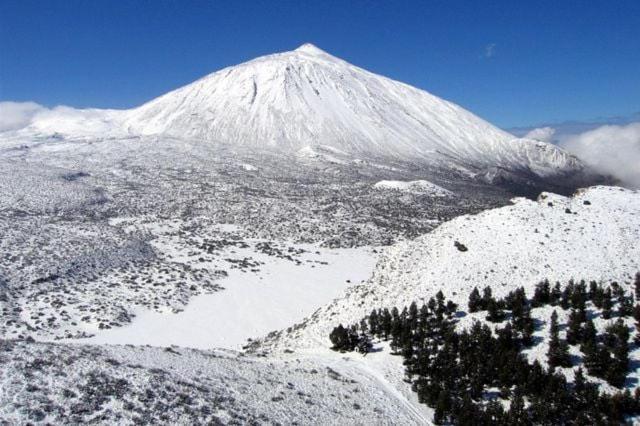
x=306, y=97
x=593, y=236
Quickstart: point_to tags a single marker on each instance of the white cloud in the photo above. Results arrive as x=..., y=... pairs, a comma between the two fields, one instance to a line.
x=490, y=50
x=16, y=115
x=610, y=149
x=542, y=134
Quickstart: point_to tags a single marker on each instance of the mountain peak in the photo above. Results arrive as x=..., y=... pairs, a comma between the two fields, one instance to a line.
x=306, y=98
x=310, y=49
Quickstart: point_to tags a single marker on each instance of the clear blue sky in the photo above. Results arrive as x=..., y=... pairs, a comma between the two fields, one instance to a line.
x=511, y=62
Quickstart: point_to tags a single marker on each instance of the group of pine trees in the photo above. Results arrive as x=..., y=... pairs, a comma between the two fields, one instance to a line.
x=605, y=356
x=463, y=374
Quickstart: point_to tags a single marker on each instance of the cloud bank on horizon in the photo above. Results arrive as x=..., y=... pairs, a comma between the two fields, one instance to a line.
x=17, y=115
x=610, y=149
x=614, y=150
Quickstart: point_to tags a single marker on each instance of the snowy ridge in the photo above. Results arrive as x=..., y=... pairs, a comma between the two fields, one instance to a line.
x=592, y=235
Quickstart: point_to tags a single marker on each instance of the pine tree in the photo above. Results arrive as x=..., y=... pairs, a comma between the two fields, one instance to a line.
x=487, y=296
x=385, y=323
x=413, y=315
x=374, y=325
x=593, y=289
x=495, y=314
x=625, y=306
x=494, y=413
x=594, y=360
x=441, y=308
x=598, y=297
x=343, y=339
x=475, y=301
x=579, y=382
x=441, y=410
x=517, y=414
x=636, y=286
x=542, y=294
x=574, y=327
x=588, y=333
x=636, y=316
x=556, y=294
x=558, y=354
x=579, y=296
x=616, y=337
x=607, y=304
x=565, y=300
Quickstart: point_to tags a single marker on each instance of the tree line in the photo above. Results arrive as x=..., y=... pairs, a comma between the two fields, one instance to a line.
x=480, y=376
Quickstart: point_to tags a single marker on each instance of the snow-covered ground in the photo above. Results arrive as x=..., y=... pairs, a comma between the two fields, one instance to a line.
x=593, y=236
x=252, y=304
x=273, y=284
x=45, y=383
x=418, y=186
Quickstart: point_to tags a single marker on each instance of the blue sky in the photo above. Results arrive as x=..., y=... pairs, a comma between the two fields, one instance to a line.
x=514, y=63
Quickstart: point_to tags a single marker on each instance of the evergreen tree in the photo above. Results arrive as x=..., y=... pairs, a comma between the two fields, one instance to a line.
x=625, y=306
x=542, y=294
x=636, y=316
x=579, y=296
x=487, y=296
x=441, y=308
x=593, y=289
x=413, y=314
x=607, y=304
x=565, y=300
x=374, y=324
x=598, y=297
x=596, y=358
x=385, y=323
x=636, y=286
x=475, y=301
x=574, y=327
x=441, y=409
x=343, y=339
x=588, y=333
x=517, y=414
x=558, y=354
x=616, y=337
x=495, y=314
x=494, y=413
x=556, y=294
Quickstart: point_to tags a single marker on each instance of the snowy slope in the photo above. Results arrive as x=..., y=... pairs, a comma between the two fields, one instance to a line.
x=307, y=97
x=304, y=100
x=591, y=236
x=77, y=384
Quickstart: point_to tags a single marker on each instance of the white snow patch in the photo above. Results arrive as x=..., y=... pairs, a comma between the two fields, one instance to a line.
x=415, y=186
x=252, y=304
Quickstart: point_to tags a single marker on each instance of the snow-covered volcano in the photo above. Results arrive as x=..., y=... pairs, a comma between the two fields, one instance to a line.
x=309, y=103
x=308, y=98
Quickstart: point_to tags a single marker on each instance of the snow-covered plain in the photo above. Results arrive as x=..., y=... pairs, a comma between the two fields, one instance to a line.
x=252, y=304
